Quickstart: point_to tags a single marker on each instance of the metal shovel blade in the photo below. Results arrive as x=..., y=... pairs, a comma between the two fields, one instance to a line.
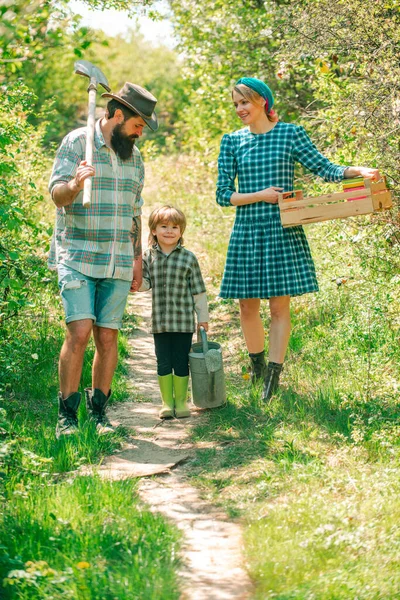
x=87, y=69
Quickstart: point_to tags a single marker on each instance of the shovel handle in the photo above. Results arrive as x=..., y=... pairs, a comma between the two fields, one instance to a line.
x=87, y=192
x=87, y=189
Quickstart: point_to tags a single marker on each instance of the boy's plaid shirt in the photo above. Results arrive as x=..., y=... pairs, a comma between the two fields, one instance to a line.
x=95, y=241
x=174, y=280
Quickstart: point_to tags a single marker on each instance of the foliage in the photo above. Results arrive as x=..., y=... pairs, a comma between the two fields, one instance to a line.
x=129, y=5
x=223, y=41
x=333, y=68
x=354, y=50
x=39, y=44
x=132, y=58
x=21, y=269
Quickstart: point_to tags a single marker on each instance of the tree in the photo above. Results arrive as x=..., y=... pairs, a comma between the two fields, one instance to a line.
x=225, y=40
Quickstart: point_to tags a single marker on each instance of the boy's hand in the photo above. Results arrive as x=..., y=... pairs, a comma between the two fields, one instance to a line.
x=137, y=274
x=134, y=286
x=205, y=325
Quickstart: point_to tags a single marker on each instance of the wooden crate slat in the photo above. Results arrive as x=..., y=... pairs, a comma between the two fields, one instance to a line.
x=316, y=214
x=340, y=205
x=334, y=197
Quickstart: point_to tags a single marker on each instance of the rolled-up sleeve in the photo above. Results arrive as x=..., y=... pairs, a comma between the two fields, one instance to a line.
x=195, y=279
x=65, y=164
x=227, y=171
x=306, y=153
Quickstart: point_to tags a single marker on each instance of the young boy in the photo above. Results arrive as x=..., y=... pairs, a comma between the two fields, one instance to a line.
x=178, y=291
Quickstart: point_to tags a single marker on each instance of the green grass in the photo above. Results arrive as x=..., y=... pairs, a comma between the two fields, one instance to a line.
x=64, y=535
x=85, y=539
x=313, y=475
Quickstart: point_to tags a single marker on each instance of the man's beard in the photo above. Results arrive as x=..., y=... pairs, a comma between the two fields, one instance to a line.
x=121, y=143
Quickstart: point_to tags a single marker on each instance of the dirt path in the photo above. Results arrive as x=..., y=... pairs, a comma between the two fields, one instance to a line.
x=212, y=558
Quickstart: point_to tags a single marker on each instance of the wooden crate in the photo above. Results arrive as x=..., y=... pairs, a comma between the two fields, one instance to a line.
x=297, y=210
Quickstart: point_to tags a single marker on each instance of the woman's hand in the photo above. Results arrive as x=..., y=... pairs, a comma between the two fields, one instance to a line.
x=270, y=195
x=364, y=172
x=205, y=325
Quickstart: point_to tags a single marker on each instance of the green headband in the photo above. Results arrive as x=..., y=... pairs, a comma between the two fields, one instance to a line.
x=260, y=87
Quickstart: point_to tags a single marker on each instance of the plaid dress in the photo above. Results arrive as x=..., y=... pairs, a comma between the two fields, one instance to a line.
x=265, y=260
x=174, y=280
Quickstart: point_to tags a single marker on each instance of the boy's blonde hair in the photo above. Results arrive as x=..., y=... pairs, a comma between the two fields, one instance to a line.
x=166, y=214
x=255, y=98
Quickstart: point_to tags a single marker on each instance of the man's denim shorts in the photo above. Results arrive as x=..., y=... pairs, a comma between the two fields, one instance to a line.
x=84, y=297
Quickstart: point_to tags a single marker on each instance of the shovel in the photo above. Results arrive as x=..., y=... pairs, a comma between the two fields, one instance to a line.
x=96, y=77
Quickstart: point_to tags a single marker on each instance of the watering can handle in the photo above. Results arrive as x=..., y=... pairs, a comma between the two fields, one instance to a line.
x=203, y=336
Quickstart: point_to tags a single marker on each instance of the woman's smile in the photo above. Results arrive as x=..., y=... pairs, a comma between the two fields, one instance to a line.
x=245, y=110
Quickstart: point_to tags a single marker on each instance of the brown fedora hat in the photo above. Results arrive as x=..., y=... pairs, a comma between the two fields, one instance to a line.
x=139, y=100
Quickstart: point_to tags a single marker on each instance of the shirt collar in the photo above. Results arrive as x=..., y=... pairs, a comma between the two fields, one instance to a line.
x=157, y=247
x=98, y=136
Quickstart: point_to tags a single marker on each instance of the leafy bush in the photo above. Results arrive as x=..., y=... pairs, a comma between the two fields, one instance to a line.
x=23, y=238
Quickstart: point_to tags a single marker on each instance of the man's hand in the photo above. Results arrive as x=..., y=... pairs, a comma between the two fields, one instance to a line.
x=205, y=325
x=65, y=193
x=137, y=274
x=83, y=172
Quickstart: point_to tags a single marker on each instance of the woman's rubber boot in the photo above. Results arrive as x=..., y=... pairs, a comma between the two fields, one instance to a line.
x=180, y=392
x=96, y=402
x=258, y=366
x=167, y=395
x=271, y=380
x=67, y=423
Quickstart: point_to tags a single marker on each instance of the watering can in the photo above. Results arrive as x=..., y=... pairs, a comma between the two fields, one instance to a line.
x=207, y=372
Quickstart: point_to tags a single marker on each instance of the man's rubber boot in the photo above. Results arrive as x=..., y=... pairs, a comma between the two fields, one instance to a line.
x=167, y=395
x=258, y=366
x=271, y=380
x=180, y=392
x=67, y=423
x=96, y=402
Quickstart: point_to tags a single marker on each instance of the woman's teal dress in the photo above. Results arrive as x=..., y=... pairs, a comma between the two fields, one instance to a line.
x=265, y=260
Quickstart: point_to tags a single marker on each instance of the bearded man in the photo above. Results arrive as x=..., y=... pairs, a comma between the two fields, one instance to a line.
x=97, y=250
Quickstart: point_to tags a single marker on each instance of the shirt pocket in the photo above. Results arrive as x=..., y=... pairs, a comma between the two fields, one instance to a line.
x=129, y=183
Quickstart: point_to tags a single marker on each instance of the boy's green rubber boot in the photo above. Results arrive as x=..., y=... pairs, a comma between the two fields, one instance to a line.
x=167, y=395
x=180, y=392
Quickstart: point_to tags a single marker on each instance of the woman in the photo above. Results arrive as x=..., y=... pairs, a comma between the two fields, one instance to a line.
x=264, y=260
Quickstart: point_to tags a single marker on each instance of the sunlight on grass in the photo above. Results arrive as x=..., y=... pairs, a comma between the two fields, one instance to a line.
x=85, y=538
x=315, y=472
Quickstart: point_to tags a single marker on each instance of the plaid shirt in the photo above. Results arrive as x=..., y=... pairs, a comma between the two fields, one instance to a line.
x=263, y=160
x=174, y=278
x=95, y=241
